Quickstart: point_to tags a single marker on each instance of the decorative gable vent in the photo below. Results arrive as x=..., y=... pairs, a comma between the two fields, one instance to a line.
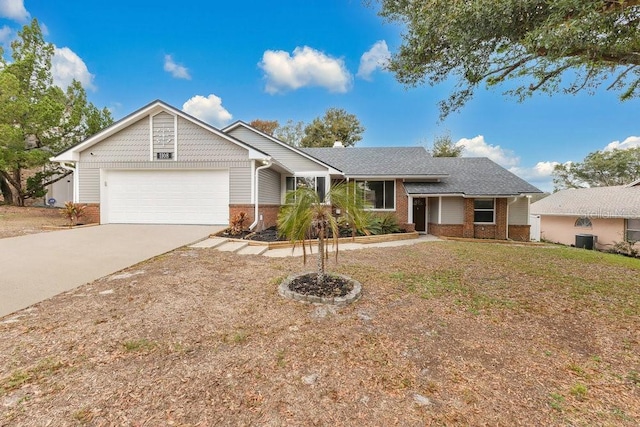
x=164, y=137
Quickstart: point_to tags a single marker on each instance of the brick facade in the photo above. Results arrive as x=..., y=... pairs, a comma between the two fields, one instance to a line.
x=448, y=230
x=269, y=214
x=91, y=213
x=520, y=233
x=498, y=230
x=468, y=230
x=402, y=204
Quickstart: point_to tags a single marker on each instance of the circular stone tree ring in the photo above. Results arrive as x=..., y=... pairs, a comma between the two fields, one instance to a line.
x=352, y=296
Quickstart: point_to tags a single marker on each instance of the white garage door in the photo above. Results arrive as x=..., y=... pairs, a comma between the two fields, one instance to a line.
x=165, y=197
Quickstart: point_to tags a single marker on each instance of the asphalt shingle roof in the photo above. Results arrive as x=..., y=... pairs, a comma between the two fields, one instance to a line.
x=472, y=176
x=378, y=161
x=598, y=202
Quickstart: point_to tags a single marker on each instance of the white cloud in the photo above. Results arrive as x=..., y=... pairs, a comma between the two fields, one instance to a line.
x=630, y=142
x=5, y=34
x=66, y=66
x=177, y=70
x=539, y=175
x=14, y=10
x=208, y=109
x=306, y=67
x=376, y=57
x=477, y=147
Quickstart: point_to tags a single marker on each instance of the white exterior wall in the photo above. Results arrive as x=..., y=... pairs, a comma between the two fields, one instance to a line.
x=452, y=210
x=518, y=211
x=270, y=187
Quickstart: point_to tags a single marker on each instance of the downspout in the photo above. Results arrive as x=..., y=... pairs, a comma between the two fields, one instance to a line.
x=509, y=204
x=257, y=186
x=73, y=171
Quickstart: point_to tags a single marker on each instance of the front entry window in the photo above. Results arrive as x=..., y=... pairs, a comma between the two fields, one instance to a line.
x=378, y=194
x=484, y=210
x=318, y=183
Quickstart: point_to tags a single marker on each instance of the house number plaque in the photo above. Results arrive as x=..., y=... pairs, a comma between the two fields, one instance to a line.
x=164, y=156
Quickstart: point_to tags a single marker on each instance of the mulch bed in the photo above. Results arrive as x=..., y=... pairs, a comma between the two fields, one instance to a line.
x=333, y=286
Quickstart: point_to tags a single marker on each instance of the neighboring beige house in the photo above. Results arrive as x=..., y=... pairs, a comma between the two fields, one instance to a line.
x=611, y=214
x=160, y=165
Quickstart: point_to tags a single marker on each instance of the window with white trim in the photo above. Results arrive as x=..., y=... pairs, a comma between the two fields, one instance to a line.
x=318, y=183
x=583, y=222
x=632, y=230
x=378, y=194
x=484, y=210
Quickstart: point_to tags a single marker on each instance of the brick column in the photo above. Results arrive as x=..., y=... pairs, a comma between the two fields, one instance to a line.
x=402, y=203
x=467, y=227
x=501, y=219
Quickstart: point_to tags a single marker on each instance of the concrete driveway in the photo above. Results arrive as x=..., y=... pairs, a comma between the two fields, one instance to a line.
x=38, y=266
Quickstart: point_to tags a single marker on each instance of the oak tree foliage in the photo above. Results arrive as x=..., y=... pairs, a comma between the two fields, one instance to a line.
x=539, y=45
x=336, y=125
x=266, y=126
x=443, y=146
x=599, y=169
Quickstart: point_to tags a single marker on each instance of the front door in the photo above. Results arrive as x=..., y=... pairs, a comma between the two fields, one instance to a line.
x=419, y=213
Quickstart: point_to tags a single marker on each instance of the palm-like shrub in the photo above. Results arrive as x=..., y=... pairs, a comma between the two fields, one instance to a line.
x=307, y=216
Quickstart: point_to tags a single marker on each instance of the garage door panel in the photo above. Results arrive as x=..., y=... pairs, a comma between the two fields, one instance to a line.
x=167, y=197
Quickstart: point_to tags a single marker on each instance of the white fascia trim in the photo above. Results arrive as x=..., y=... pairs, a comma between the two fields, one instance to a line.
x=232, y=126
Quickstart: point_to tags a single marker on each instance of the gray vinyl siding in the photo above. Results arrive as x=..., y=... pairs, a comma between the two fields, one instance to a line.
x=269, y=184
x=198, y=144
x=240, y=185
x=197, y=149
x=452, y=210
x=88, y=185
x=289, y=158
x=519, y=211
x=129, y=145
x=432, y=210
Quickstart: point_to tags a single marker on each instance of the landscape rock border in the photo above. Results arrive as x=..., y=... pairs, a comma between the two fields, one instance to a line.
x=349, y=298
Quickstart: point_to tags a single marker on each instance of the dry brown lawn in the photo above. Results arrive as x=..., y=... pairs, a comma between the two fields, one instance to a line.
x=18, y=221
x=446, y=333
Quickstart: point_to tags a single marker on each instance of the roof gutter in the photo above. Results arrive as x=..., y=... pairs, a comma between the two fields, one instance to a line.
x=257, y=187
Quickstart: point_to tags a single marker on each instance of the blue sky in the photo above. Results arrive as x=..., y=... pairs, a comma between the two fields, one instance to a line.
x=227, y=61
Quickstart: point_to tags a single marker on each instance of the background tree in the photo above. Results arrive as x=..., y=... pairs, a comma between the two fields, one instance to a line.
x=443, y=146
x=37, y=118
x=266, y=126
x=335, y=125
x=599, y=169
x=534, y=41
x=291, y=133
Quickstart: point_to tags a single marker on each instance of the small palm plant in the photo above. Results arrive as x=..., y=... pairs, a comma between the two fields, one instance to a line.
x=306, y=216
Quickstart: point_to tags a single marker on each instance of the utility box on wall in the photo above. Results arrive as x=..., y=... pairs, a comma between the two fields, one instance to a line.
x=585, y=241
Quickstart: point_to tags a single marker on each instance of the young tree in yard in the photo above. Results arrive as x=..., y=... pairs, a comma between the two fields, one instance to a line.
x=536, y=42
x=266, y=126
x=443, y=146
x=336, y=125
x=306, y=215
x=37, y=118
x=599, y=169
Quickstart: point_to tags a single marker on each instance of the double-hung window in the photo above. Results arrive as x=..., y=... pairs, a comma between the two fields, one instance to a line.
x=632, y=232
x=484, y=210
x=378, y=194
x=318, y=183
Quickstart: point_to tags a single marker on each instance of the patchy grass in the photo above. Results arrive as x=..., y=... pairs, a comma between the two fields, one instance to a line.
x=19, y=221
x=446, y=333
